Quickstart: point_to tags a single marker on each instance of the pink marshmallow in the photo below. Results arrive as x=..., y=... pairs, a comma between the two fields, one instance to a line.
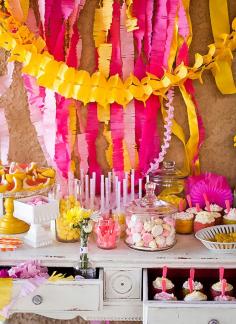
x=166, y=233
x=138, y=227
x=147, y=238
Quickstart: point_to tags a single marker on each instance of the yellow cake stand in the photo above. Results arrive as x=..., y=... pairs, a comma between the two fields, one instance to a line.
x=10, y=224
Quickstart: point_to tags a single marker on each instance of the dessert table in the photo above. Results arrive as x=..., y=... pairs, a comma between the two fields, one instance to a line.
x=121, y=290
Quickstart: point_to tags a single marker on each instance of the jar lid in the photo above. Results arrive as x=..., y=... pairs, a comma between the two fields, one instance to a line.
x=149, y=204
x=168, y=173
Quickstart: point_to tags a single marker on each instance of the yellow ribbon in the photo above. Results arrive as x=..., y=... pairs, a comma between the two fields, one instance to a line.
x=6, y=286
x=220, y=25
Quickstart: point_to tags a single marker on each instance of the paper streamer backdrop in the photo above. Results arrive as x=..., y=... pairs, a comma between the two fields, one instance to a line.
x=65, y=162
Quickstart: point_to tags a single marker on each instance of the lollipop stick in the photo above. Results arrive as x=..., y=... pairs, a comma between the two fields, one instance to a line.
x=198, y=207
x=181, y=205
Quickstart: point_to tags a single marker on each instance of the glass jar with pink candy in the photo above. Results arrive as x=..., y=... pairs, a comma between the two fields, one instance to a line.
x=150, y=222
x=107, y=231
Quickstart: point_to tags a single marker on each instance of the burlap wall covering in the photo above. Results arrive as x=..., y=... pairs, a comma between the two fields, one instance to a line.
x=218, y=111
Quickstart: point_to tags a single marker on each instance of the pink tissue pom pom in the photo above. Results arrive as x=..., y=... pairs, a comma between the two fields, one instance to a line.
x=29, y=269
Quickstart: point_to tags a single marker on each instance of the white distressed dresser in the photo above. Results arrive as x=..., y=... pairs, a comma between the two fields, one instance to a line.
x=121, y=290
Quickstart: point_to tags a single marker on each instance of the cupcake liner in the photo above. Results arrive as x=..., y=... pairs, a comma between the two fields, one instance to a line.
x=198, y=226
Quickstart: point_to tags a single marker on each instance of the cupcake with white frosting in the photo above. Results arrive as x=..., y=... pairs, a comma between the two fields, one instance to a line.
x=193, y=210
x=216, y=289
x=184, y=223
x=230, y=217
x=195, y=296
x=202, y=220
x=214, y=208
x=157, y=285
x=224, y=298
x=197, y=286
x=217, y=216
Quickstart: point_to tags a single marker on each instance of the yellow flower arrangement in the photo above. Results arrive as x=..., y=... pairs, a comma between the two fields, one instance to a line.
x=77, y=214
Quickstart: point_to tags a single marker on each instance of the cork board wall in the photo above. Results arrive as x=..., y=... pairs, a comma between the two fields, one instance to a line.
x=218, y=111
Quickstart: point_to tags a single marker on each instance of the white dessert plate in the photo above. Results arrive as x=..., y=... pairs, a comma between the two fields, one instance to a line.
x=207, y=234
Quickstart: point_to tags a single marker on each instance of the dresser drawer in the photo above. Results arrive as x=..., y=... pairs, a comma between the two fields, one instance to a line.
x=180, y=312
x=81, y=295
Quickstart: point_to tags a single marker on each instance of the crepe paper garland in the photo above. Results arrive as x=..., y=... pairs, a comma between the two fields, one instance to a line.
x=96, y=88
x=167, y=132
x=214, y=186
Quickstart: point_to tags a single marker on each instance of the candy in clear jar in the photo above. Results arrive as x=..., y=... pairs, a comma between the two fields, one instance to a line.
x=150, y=223
x=107, y=232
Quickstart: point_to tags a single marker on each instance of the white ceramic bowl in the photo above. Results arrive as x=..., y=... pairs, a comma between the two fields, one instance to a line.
x=208, y=233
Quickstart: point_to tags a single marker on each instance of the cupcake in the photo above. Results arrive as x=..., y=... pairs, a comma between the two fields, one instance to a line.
x=197, y=286
x=216, y=289
x=184, y=223
x=164, y=296
x=195, y=296
x=202, y=220
x=214, y=208
x=224, y=298
x=217, y=216
x=157, y=285
x=193, y=210
x=230, y=217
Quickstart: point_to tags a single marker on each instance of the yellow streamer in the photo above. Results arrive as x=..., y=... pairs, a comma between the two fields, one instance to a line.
x=59, y=276
x=131, y=21
x=220, y=26
x=6, y=286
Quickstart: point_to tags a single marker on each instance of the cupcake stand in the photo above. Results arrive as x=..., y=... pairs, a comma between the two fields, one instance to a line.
x=122, y=290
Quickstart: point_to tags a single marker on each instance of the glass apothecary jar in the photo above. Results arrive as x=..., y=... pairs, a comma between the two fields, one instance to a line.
x=64, y=231
x=150, y=222
x=170, y=183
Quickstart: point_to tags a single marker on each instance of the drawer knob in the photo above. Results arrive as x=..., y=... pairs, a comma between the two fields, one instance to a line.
x=213, y=321
x=37, y=300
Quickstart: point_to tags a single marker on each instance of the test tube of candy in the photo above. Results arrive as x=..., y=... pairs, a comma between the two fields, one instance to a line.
x=107, y=193
x=132, y=184
x=125, y=189
x=86, y=190
x=139, y=188
x=102, y=192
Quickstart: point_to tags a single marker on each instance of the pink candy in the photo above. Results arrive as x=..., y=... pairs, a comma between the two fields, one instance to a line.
x=36, y=201
x=108, y=232
x=147, y=238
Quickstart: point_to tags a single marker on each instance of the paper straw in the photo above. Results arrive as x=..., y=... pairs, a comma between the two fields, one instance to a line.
x=118, y=196
x=163, y=284
x=125, y=190
x=207, y=203
x=86, y=190
x=227, y=204
x=140, y=183
x=205, y=197
x=132, y=184
x=223, y=287
x=147, y=178
x=198, y=207
x=164, y=271
x=107, y=192
x=102, y=192
x=189, y=201
x=190, y=284
x=221, y=273
x=181, y=205
x=192, y=273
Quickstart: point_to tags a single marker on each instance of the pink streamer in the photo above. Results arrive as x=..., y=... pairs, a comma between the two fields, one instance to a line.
x=172, y=12
x=91, y=136
x=116, y=110
x=83, y=152
x=129, y=131
x=127, y=46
